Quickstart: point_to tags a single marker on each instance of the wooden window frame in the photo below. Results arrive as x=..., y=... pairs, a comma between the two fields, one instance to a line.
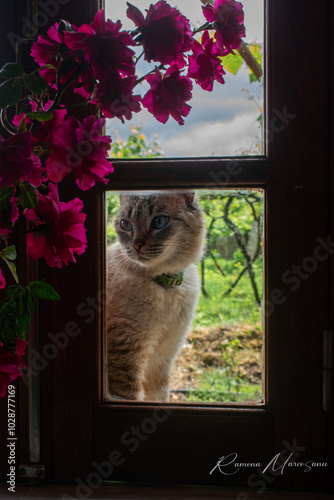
x=297, y=167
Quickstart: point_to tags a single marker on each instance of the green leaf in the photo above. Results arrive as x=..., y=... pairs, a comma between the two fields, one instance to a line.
x=35, y=83
x=5, y=195
x=41, y=116
x=9, y=253
x=64, y=26
x=24, y=316
x=43, y=290
x=255, y=49
x=27, y=195
x=11, y=70
x=13, y=290
x=30, y=302
x=12, y=269
x=252, y=77
x=10, y=93
x=23, y=126
x=232, y=62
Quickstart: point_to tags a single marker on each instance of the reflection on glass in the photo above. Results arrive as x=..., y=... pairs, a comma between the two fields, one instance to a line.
x=224, y=122
x=158, y=346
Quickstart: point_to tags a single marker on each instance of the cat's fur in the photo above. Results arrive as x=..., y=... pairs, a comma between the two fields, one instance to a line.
x=147, y=322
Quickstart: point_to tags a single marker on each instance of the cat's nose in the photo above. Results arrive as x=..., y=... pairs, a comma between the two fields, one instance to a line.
x=138, y=244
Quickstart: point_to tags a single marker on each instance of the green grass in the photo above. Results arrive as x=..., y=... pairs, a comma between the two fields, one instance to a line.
x=239, y=306
x=216, y=385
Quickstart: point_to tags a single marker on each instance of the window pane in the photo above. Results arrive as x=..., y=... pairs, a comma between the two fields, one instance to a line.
x=224, y=122
x=216, y=356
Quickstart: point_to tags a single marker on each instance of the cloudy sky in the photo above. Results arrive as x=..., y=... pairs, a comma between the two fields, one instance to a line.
x=222, y=122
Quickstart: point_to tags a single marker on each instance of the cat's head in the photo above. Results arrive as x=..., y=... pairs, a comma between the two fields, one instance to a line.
x=161, y=231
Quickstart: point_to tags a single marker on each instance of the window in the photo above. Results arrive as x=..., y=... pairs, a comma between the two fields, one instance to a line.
x=221, y=359
x=224, y=122
x=294, y=170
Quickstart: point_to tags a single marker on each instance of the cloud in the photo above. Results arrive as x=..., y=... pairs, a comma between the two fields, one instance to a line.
x=218, y=138
x=222, y=122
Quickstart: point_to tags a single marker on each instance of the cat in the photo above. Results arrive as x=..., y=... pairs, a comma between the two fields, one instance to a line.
x=149, y=313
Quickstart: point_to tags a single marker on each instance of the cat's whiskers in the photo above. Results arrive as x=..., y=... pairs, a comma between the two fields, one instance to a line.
x=124, y=263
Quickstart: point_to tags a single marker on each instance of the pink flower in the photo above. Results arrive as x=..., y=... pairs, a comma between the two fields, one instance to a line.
x=17, y=160
x=61, y=229
x=165, y=33
x=105, y=47
x=47, y=50
x=37, y=176
x=13, y=215
x=168, y=95
x=227, y=17
x=79, y=147
x=2, y=282
x=51, y=49
x=116, y=97
x=45, y=130
x=10, y=364
x=204, y=65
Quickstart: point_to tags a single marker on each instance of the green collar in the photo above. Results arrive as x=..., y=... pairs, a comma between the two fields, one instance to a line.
x=169, y=280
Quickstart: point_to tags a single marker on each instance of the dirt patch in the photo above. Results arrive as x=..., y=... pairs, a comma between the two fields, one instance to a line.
x=238, y=349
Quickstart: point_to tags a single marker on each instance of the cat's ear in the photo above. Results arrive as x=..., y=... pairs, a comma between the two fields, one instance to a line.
x=189, y=196
x=123, y=198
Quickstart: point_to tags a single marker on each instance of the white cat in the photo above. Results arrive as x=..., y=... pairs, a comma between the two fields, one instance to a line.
x=153, y=287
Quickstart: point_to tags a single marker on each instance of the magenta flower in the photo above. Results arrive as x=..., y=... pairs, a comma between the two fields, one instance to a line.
x=165, y=33
x=11, y=363
x=45, y=130
x=51, y=49
x=14, y=215
x=43, y=133
x=227, y=17
x=204, y=65
x=47, y=50
x=37, y=175
x=105, y=47
x=168, y=95
x=60, y=229
x=2, y=284
x=79, y=147
x=17, y=160
x=116, y=97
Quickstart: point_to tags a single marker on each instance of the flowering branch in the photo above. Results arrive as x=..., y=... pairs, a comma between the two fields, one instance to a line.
x=96, y=64
x=243, y=50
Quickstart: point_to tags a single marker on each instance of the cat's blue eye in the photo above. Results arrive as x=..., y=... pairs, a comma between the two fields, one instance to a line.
x=160, y=221
x=126, y=225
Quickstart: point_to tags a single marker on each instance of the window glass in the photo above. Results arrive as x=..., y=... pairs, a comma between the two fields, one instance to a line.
x=224, y=122
x=218, y=357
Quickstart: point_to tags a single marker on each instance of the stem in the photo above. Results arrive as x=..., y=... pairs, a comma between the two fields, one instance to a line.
x=250, y=60
x=217, y=264
x=61, y=90
x=142, y=78
x=205, y=26
x=245, y=54
x=6, y=123
x=139, y=57
x=205, y=293
x=64, y=87
x=242, y=247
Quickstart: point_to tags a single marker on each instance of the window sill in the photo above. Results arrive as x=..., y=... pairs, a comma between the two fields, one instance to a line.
x=120, y=491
